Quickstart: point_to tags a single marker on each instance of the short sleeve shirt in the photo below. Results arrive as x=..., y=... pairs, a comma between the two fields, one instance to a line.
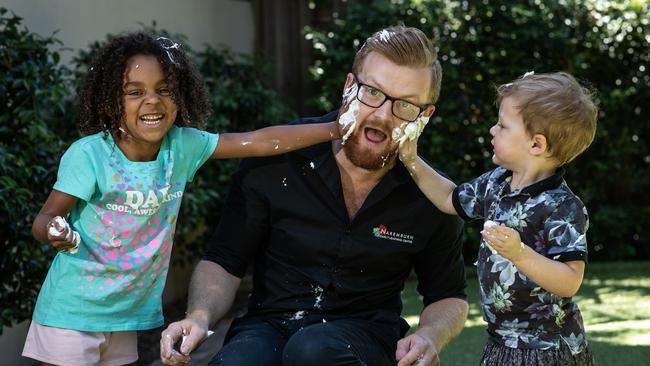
x=552, y=221
x=126, y=216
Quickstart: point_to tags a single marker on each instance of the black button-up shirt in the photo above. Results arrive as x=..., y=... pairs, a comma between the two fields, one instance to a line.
x=286, y=214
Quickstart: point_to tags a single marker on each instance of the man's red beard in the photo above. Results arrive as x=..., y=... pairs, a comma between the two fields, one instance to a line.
x=366, y=158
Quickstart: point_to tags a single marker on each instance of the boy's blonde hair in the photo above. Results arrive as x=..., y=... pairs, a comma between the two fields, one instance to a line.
x=557, y=106
x=405, y=46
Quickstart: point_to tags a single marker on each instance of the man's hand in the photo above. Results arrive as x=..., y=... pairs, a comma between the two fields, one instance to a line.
x=416, y=350
x=180, y=339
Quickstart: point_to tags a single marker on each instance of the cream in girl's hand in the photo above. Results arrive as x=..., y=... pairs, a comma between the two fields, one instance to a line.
x=58, y=225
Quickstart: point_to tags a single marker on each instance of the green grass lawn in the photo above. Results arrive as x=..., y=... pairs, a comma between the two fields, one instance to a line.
x=615, y=302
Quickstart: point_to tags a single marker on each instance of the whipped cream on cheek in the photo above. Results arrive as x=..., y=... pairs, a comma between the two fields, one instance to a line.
x=410, y=131
x=349, y=119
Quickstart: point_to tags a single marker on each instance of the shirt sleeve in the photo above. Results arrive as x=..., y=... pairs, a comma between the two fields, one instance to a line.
x=440, y=267
x=243, y=224
x=565, y=231
x=195, y=149
x=76, y=175
x=469, y=198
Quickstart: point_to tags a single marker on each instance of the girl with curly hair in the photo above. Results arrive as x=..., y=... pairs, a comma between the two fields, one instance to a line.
x=112, y=212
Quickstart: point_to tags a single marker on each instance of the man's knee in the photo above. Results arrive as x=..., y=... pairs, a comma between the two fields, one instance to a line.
x=247, y=354
x=315, y=345
x=250, y=346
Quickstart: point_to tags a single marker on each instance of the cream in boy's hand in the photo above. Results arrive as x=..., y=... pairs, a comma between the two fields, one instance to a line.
x=58, y=225
x=486, y=225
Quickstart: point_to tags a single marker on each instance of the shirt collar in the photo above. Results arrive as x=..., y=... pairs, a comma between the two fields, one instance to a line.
x=552, y=182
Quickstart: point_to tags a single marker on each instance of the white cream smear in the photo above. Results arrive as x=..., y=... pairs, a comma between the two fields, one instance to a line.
x=409, y=131
x=60, y=225
x=208, y=333
x=348, y=120
x=385, y=35
x=486, y=225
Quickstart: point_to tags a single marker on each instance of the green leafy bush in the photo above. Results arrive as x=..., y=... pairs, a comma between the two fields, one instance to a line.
x=33, y=94
x=242, y=101
x=37, y=124
x=486, y=43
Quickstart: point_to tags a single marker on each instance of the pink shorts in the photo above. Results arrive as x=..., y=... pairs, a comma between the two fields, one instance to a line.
x=60, y=346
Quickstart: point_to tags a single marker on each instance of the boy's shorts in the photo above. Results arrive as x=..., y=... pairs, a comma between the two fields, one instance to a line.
x=60, y=346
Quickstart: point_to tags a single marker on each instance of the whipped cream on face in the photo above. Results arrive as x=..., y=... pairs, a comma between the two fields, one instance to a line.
x=410, y=131
x=59, y=226
x=348, y=120
x=397, y=131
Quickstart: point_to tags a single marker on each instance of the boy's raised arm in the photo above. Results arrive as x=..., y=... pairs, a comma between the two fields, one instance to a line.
x=437, y=188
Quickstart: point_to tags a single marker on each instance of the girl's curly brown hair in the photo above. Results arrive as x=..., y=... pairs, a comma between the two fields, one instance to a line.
x=101, y=95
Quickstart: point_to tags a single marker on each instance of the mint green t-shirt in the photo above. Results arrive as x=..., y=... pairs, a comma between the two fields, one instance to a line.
x=126, y=217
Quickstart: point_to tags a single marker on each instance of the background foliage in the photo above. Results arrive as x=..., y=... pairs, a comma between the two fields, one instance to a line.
x=38, y=122
x=33, y=92
x=486, y=43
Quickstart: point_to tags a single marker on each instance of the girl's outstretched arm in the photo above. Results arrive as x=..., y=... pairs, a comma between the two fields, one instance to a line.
x=274, y=140
x=57, y=204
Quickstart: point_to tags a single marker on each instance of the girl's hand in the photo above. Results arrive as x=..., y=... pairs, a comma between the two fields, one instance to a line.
x=61, y=236
x=343, y=125
x=504, y=240
x=347, y=119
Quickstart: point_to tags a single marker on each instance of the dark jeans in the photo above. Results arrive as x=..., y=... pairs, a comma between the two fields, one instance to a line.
x=303, y=339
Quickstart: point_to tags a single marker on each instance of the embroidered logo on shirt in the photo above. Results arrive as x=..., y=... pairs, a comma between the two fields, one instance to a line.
x=382, y=232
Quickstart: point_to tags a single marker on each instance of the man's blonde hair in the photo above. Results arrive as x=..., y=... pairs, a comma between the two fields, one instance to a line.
x=557, y=106
x=405, y=46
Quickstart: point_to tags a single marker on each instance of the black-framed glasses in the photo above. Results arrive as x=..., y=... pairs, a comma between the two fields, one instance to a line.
x=375, y=98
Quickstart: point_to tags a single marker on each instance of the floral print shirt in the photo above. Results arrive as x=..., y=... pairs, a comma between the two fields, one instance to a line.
x=551, y=220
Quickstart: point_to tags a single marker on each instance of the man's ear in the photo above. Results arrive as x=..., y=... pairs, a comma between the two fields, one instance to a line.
x=428, y=112
x=349, y=80
x=539, y=145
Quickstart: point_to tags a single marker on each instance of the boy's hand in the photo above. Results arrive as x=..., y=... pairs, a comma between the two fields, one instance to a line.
x=407, y=136
x=408, y=151
x=61, y=236
x=505, y=241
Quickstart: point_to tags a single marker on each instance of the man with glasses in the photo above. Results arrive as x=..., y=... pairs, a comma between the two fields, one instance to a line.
x=333, y=232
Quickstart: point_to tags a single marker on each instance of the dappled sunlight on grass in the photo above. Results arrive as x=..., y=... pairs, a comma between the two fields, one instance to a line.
x=630, y=332
x=615, y=303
